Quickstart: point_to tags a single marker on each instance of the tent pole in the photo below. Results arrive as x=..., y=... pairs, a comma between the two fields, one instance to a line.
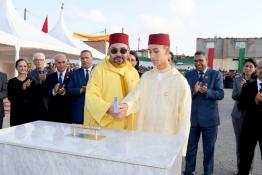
x=17, y=50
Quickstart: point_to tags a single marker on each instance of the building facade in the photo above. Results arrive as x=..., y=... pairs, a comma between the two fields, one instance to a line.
x=230, y=53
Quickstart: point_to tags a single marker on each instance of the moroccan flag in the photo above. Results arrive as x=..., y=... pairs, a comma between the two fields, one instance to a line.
x=45, y=25
x=210, y=57
x=241, y=59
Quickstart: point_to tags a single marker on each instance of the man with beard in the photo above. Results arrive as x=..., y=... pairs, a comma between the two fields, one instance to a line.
x=111, y=80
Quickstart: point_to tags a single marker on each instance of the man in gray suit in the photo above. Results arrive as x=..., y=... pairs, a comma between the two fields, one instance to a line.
x=3, y=94
x=207, y=88
x=38, y=75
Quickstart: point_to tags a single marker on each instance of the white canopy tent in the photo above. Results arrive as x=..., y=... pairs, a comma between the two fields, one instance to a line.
x=19, y=39
x=61, y=33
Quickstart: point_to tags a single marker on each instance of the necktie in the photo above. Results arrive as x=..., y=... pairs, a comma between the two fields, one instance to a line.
x=87, y=75
x=201, y=76
x=60, y=78
x=260, y=90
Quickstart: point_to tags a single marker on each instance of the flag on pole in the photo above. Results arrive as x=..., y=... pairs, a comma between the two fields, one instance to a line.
x=45, y=25
x=241, y=58
x=211, y=51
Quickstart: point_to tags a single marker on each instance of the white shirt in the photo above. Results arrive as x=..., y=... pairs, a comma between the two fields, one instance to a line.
x=204, y=71
x=63, y=75
x=258, y=84
x=89, y=70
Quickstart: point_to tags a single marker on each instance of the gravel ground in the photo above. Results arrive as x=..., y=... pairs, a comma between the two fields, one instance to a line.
x=225, y=156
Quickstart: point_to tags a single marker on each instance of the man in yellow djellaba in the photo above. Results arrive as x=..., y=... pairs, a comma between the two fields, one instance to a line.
x=113, y=78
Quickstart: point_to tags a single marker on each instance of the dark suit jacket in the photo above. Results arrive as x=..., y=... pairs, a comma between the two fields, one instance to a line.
x=77, y=80
x=40, y=101
x=252, y=119
x=3, y=92
x=204, y=111
x=236, y=112
x=59, y=106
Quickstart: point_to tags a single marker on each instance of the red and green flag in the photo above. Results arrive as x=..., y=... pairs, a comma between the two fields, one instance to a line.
x=241, y=57
x=211, y=52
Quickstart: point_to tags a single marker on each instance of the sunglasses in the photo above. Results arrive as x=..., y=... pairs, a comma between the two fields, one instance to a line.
x=201, y=61
x=121, y=50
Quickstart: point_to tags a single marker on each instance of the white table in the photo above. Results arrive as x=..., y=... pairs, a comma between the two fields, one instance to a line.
x=47, y=148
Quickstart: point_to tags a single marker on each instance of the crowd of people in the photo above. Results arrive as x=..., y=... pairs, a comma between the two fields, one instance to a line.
x=119, y=93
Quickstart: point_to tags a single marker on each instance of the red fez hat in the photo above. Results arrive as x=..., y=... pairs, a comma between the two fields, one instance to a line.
x=159, y=39
x=118, y=38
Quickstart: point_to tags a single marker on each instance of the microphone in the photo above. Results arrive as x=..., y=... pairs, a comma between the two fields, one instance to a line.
x=41, y=71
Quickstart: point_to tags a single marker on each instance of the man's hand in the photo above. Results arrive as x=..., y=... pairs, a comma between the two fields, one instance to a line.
x=42, y=77
x=258, y=97
x=56, y=88
x=83, y=89
x=61, y=90
x=203, y=89
x=123, y=107
x=197, y=87
x=121, y=111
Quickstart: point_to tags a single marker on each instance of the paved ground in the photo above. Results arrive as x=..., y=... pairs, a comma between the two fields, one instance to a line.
x=225, y=157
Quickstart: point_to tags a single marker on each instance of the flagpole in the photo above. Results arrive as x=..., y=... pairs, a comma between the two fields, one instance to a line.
x=25, y=14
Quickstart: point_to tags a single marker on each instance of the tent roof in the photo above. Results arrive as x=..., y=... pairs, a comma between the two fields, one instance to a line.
x=61, y=33
x=7, y=39
x=24, y=35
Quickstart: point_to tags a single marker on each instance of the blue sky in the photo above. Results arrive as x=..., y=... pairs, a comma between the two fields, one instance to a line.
x=184, y=20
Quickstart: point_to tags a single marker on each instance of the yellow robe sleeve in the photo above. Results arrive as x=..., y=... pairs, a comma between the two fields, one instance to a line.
x=132, y=99
x=184, y=113
x=95, y=106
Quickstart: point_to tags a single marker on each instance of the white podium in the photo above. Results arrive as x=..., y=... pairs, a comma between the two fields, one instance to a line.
x=47, y=148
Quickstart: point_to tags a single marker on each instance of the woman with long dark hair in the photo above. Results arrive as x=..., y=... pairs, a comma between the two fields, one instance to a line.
x=133, y=58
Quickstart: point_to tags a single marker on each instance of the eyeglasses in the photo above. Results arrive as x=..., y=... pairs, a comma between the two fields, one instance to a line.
x=39, y=60
x=121, y=50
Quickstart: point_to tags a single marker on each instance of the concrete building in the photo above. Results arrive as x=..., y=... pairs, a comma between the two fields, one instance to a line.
x=227, y=50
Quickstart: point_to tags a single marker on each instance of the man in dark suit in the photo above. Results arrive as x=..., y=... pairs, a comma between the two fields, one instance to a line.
x=38, y=75
x=3, y=94
x=207, y=88
x=250, y=100
x=59, y=104
x=77, y=86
